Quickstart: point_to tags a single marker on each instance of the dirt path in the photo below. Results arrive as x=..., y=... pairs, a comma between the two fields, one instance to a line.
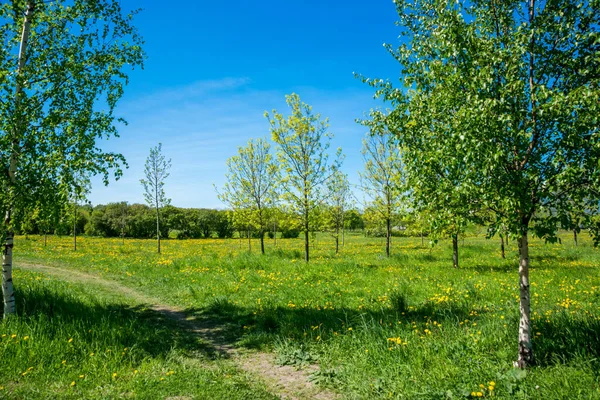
x=285, y=381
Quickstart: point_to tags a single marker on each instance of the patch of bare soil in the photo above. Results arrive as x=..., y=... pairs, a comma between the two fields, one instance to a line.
x=286, y=381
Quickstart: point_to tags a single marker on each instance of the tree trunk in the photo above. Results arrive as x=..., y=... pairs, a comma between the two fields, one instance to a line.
x=455, y=250
x=275, y=233
x=388, y=235
x=158, y=229
x=306, y=241
x=8, y=293
x=575, y=236
x=525, y=346
x=75, y=226
x=337, y=245
x=502, y=246
x=7, y=284
x=262, y=241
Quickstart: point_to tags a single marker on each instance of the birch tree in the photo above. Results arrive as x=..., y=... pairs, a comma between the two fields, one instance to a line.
x=156, y=170
x=382, y=178
x=62, y=72
x=521, y=79
x=250, y=186
x=303, y=140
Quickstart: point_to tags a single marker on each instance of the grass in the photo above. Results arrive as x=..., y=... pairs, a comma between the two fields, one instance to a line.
x=409, y=326
x=68, y=343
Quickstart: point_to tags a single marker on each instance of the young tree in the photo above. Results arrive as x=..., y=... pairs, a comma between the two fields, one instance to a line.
x=382, y=180
x=62, y=66
x=302, y=142
x=521, y=80
x=250, y=187
x=337, y=203
x=156, y=170
x=79, y=192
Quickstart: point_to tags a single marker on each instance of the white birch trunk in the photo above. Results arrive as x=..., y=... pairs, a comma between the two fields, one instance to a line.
x=8, y=293
x=525, y=346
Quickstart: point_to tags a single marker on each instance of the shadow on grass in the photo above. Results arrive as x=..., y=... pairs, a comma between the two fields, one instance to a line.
x=120, y=325
x=563, y=340
x=273, y=322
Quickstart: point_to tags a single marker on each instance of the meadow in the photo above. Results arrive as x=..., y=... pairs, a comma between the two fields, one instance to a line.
x=408, y=326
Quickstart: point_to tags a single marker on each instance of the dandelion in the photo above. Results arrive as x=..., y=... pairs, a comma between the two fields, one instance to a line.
x=70, y=340
x=73, y=383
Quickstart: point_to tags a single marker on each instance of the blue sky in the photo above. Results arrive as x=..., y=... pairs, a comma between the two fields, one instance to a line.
x=213, y=68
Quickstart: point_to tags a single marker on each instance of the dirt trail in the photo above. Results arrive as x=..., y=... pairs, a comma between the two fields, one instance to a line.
x=285, y=381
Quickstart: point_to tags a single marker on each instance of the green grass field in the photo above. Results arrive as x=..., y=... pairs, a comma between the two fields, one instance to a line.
x=410, y=326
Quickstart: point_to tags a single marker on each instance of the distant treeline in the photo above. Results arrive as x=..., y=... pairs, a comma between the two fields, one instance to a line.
x=139, y=221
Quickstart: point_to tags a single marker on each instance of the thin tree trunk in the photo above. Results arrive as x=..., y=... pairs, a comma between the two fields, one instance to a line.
x=388, y=236
x=275, y=233
x=575, y=236
x=306, y=233
x=422, y=240
x=455, y=250
x=8, y=293
x=45, y=239
x=262, y=241
x=158, y=229
x=75, y=226
x=502, y=245
x=306, y=239
x=337, y=239
x=525, y=345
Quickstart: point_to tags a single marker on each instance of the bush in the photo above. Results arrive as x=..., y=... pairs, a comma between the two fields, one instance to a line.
x=290, y=233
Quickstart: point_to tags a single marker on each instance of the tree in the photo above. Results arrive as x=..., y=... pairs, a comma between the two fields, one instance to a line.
x=156, y=170
x=382, y=179
x=353, y=220
x=337, y=204
x=302, y=142
x=250, y=185
x=81, y=188
x=521, y=81
x=61, y=76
